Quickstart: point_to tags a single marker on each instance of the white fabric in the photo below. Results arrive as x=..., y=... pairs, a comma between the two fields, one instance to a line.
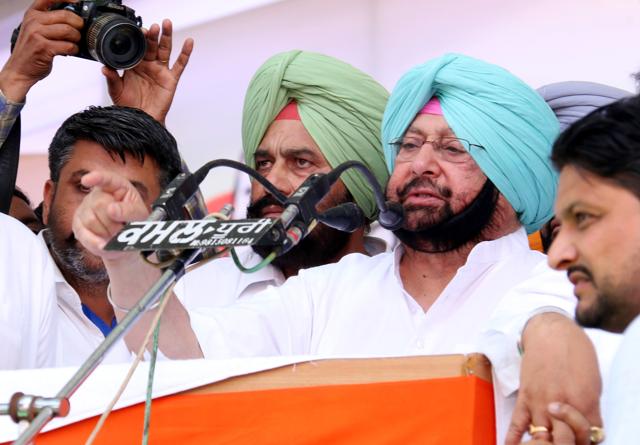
x=27, y=299
x=229, y=284
x=359, y=307
x=622, y=403
x=96, y=392
x=77, y=336
x=225, y=281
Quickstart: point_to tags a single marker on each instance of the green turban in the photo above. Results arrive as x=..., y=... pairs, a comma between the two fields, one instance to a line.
x=489, y=106
x=340, y=106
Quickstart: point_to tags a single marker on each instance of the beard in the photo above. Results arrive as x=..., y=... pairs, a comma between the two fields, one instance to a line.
x=76, y=263
x=609, y=310
x=441, y=230
x=321, y=246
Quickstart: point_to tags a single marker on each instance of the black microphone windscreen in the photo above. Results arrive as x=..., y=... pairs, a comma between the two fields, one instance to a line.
x=393, y=217
x=347, y=217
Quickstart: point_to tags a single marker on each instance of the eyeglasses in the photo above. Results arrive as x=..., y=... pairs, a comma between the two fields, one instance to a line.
x=447, y=149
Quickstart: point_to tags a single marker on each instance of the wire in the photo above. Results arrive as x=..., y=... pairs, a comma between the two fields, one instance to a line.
x=265, y=262
x=132, y=369
x=152, y=370
x=202, y=172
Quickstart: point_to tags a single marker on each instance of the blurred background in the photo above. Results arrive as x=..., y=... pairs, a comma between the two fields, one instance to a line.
x=541, y=41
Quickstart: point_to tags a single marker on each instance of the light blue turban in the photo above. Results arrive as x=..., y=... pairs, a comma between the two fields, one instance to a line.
x=488, y=106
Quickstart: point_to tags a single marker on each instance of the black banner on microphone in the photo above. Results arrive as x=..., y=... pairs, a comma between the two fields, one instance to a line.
x=191, y=234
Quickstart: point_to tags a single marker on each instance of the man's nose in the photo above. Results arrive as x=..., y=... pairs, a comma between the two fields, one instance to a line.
x=562, y=252
x=279, y=176
x=426, y=161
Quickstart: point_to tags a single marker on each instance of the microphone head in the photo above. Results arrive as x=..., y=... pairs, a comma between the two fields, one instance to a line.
x=347, y=217
x=393, y=217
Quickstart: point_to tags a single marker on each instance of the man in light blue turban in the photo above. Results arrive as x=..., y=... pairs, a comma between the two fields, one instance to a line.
x=468, y=145
x=470, y=170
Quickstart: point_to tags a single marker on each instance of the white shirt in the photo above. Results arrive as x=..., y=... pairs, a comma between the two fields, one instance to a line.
x=359, y=306
x=228, y=283
x=622, y=403
x=27, y=299
x=77, y=336
x=225, y=281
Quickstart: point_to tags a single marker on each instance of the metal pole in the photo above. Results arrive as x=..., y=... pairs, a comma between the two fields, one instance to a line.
x=172, y=274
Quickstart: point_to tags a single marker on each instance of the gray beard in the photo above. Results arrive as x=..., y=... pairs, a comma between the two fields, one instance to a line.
x=71, y=259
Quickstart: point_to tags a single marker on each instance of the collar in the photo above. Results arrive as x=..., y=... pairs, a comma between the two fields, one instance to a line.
x=269, y=274
x=485, y=252
x=57, y=275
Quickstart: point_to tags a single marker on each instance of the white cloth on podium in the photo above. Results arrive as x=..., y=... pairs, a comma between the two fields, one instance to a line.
x=96, y=392
x=622, y=401
x=27, y=299
x=77, y=336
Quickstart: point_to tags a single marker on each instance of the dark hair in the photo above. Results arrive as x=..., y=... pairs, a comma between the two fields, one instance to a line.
x=20, y=195
x=606, y=142
x=119, y=130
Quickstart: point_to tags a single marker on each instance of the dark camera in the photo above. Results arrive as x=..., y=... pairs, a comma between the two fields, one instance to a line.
x=111, y=33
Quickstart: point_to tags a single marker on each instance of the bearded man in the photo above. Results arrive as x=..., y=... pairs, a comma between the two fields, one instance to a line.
x=304, y=113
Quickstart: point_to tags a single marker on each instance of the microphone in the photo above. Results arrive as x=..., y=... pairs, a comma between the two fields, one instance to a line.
x=299, y=216
x=347, y=217
x=169, y=203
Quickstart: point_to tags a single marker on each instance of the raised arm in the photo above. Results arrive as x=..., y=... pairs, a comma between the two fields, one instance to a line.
x=43, y=35
x=112, y=202
x=152, y=84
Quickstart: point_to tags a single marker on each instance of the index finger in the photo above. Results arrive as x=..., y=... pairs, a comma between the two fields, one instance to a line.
x=107, y=181
x=44, y=5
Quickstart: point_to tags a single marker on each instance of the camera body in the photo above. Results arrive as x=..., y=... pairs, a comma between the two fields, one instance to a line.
x=112, y=33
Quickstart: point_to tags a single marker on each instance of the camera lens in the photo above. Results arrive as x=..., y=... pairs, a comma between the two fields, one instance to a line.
x=116, y=41
x=120, y=45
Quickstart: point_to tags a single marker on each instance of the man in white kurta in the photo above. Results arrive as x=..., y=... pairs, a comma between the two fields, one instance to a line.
x=294, y=103
x=598, y=243
x=27, y=299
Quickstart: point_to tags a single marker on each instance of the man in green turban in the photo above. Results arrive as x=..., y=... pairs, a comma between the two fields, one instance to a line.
x=304, y=113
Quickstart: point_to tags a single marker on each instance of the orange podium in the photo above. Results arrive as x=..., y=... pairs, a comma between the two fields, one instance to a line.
x=444, y=400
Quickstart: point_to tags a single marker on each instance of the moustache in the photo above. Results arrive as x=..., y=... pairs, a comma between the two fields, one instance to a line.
x=425, y=183
x=580, y=269
x=254, y=210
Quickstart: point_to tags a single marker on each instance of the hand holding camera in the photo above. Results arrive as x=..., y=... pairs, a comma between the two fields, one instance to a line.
x=101, y=30
x=151, y=85
x=44, y=35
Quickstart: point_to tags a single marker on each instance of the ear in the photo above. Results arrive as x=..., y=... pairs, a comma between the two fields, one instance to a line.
x=48, y=195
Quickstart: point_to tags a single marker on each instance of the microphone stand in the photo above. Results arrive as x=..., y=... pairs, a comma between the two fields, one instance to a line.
x=299, y=215
x=23, y=407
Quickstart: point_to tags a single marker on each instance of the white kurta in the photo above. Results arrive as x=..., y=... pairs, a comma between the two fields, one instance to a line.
x=228, y=283
x=27, y=299
x=77, y=337
x=622, y=403
x=359, y=306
